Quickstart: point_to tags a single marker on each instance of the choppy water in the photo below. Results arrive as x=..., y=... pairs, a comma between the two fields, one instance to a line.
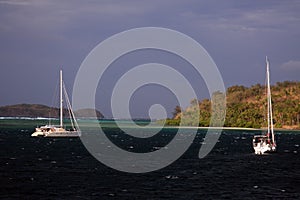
x=48, y=168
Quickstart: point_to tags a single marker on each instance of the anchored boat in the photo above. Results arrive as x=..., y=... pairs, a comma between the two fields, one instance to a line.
x=266, y=143
x=60, y=131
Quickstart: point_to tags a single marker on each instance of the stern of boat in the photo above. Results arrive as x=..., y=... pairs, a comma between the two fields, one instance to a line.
x=37, y=134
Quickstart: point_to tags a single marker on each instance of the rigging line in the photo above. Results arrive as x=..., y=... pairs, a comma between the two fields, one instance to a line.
x=268, y=102
x=265, y=101
x=67, y=102
x=71, y=113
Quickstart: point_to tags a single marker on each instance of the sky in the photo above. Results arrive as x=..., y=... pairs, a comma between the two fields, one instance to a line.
x=39, y=37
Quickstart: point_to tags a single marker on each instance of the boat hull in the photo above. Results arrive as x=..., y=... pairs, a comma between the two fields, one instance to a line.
x=260, y=150
x=56, y=134
x=262, y=144
x=53, y=131
x=63, y=134
x=38, y=134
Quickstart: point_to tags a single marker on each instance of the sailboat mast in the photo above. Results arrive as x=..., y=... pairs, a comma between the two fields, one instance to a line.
x=61, y=98
x=270, y=113
x=268, y=101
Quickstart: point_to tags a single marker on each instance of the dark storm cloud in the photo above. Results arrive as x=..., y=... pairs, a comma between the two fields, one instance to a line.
x=40, y=36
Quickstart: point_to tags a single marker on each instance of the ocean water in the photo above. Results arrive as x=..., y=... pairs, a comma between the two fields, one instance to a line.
x=61, y=168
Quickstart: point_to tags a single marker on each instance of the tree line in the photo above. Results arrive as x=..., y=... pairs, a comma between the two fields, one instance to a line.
x=247, y=107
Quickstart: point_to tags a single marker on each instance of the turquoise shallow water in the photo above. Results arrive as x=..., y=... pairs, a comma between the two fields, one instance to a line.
x=49, y=168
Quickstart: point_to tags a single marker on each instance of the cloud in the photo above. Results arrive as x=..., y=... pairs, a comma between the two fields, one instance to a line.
x=24, y=2
x=47, y=15
x=292, y=65
x=228, y=17
x=15, y=3
x=254, y=18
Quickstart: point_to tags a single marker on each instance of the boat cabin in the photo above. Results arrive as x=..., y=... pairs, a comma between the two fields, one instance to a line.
x=262, y=139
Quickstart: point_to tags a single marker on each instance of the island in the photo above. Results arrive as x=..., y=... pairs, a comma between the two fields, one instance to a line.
x=246, y=107
x=43, y=111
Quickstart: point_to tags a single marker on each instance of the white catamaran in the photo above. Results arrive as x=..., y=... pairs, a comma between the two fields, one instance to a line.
x=60, y=131
x=266, y=143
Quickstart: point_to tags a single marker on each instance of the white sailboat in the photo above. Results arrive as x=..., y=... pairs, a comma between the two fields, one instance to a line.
x=60, y=131
x=266, y=143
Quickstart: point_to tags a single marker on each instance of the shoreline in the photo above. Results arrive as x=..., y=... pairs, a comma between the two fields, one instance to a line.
x=233, y=128
x=153, y=125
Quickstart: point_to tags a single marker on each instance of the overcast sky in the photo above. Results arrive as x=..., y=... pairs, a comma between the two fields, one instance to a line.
x=38, y=37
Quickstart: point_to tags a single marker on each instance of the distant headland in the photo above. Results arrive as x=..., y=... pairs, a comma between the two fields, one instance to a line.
x=38, y=110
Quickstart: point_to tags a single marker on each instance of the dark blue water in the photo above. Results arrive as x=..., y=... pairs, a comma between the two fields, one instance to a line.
x=47, y=168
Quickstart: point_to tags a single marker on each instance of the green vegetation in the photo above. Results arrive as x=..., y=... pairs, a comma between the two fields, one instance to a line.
x=246, y=107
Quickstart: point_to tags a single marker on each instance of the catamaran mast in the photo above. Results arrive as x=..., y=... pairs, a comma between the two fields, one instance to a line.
x=61, y=99
x=270, y=113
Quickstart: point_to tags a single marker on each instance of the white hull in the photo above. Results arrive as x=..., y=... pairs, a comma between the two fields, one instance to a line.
x=38, y=134
x=52, y=131
x=261, y=149
x=63, y=134
x=56, y=134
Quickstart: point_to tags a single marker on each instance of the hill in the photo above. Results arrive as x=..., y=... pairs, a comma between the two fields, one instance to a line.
x=37, y=110
x=246, y=106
